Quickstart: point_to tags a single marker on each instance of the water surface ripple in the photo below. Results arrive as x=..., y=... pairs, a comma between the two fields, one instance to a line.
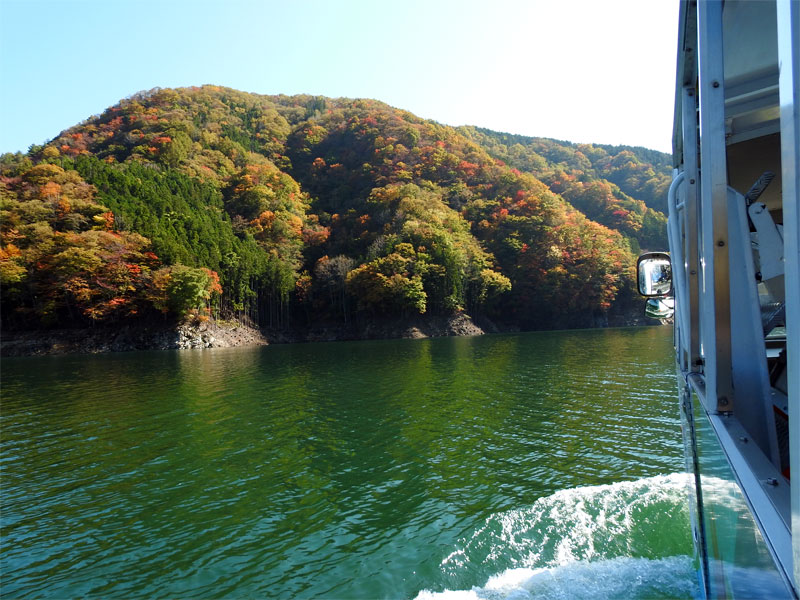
x=348, y=470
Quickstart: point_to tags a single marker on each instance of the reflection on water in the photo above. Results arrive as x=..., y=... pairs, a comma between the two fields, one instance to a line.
x=320, y=470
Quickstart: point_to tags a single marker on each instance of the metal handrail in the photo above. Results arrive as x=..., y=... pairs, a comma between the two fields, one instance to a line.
x=678, y=264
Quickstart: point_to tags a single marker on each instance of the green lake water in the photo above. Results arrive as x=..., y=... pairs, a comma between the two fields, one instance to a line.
x=543, y=465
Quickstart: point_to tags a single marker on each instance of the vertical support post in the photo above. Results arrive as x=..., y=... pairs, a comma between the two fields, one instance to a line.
x=690, y=254
x=788, y=17
x=714, y=210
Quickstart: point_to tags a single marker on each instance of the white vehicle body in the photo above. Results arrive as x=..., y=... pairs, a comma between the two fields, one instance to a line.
x=733, y=232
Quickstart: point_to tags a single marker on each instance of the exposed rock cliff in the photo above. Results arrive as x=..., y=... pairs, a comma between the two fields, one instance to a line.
x=130, y=337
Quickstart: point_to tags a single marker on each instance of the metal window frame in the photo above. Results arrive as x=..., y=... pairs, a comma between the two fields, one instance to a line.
x=788, y=19
x=691, y=233
x=715, y=301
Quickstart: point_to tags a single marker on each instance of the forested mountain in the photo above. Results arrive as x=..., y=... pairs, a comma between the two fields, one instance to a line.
x=291, y=210
x=622, y=187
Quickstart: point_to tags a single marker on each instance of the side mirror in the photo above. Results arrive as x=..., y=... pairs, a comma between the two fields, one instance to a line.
x=654, y=274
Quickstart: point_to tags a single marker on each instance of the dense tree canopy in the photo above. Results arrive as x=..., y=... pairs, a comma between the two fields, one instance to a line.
x=62, y=257
x=622, y=187
x=293, y=209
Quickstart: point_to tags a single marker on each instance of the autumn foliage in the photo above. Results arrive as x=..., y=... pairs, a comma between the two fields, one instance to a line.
x=295, y=209
x=62, y=260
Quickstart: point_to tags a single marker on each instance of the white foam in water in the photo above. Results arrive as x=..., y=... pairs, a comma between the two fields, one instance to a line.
x=623, y=540
x=584, y=523
x=624, y=577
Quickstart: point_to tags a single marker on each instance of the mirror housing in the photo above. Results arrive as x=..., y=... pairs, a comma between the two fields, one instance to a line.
x=654, y=275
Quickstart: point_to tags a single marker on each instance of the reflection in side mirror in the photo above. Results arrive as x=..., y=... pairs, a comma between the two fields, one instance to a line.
x=654, y=274
x=662, y=309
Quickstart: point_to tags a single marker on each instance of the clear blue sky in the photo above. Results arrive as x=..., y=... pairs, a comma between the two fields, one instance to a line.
x=578, y=70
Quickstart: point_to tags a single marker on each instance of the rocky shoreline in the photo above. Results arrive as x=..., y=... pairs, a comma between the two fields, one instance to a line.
x=220, y=334
x=376, y=329
x=228, y=334
x=128, y=338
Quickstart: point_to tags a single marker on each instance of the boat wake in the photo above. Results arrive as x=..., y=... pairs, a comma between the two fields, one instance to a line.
x=623, y=540
x=672, y=577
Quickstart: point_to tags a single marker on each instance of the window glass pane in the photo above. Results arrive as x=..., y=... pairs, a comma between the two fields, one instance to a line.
x=740, y=565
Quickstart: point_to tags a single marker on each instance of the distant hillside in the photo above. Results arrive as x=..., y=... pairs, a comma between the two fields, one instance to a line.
x=295, y=210
x=622, y=187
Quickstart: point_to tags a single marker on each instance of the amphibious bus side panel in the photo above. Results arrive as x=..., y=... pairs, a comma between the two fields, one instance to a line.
x=733, y=232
